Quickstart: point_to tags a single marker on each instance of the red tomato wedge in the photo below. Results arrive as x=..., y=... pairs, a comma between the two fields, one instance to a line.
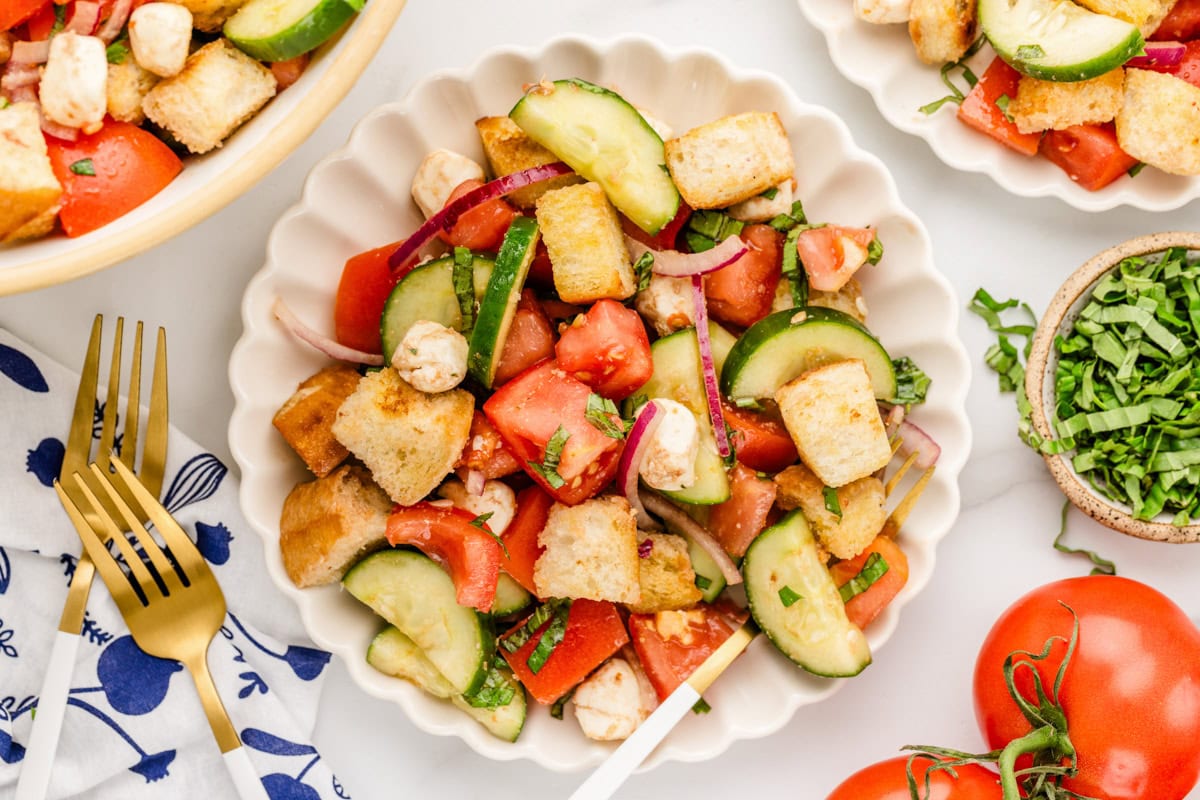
x=1089, y=154
x=980, y=111
x=486, y=452
x=607, y=348
x=364, y=288
x=672, y=644
x=823, y=252
x=741, y=293
x=1188, y=69
x=14, y=12
x=1181, y=23
x=762, y=441
x=288, y=72
x=484, y=226
x=594, y=632
x=130, y=167
x=521, y=536
x=665, y=238
x=863, y=608
x=446, y=535
x=738, y=520
x=530, y=339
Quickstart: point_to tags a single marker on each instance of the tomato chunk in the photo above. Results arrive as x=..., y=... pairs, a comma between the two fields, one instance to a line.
x=528, y=410
x=288, y=72
x=521, y=535
x=14, y=12
x=362, y=291
x=741, y=293
x=1188, y=68
x=980, y=111
x=530, y=339
x=484, y=226
x=446, y=534
x=672, y=644
x=762, y=441
x=1181, y=23
x=738, y=520
x=486, y=451
x=607, y=348
x=665, y=238
x=823, y=252
x=594, y=632
x=862, y=608
x=1089, y=154
x=130, y=167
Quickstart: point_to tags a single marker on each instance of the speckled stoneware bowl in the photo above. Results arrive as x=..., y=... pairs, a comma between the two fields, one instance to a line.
x=1070, y=299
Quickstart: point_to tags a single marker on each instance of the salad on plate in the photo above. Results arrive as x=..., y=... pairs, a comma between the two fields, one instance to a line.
x=597, y=410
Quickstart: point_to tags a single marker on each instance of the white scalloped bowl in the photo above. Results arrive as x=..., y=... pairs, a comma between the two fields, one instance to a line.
x=357, y=198
x=881, y=59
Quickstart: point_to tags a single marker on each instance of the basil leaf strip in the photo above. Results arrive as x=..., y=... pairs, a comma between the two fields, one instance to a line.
x=874, y=569
x=548, y=469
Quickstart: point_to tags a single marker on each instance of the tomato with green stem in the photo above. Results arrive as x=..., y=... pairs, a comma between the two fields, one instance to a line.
x=889, y=780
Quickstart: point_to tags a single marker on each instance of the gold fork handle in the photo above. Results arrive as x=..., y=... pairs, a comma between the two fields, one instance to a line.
x=77, y=596
x=218, y=719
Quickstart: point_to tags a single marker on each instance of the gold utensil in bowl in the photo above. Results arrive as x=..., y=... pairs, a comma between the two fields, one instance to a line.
x=170, y=599
x=52, y=701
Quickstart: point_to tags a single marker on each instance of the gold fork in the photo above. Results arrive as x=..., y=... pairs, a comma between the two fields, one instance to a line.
x=173, y=604
x=52, y=701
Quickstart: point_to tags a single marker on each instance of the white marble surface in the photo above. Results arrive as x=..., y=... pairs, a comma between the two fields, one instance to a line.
x=918, y=689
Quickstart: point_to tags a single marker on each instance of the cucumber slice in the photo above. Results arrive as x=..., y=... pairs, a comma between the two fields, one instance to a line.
x=788, y=343
x=704, y=567
x=813, y=631
x=393, y=653
x=276, y=30
x=511, y=597
x=1057, y=40
x=417, y=596
x=499, y=303
x=427, y=293
x=606, y=140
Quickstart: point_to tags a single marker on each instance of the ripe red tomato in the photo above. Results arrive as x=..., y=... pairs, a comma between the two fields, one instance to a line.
x=888, y=780
x=866, y=606
x=530, y=339
x=736, y=522
x=486, y=452
x=607, y=348
x=14, y=12
x=762, y=441
x=741, y=293
x=366, y=282
x=823, y=255
x=1131, y=691
x=665, y=238
x=672, y=644
x=1089, y=154
x=446, y=534
x=484, y=226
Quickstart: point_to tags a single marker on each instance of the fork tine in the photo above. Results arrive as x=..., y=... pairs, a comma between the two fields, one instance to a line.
x=900, y=513
x=166, y=570
x=108, y=430
x=137, y=567
x=129, y=438
x=154, y=453
x=79, y=441
x=110, y=572
x=182, y=547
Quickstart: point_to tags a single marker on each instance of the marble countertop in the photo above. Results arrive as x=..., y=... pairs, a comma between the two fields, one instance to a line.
x=918, y=689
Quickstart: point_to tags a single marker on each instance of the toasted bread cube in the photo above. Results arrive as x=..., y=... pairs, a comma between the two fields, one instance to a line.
x=730, y=159
x=210, y=15
x=590, y=552
x=28, y=188
x=128, y=85
x=219, y=88
x=665, y=575
x=330, y=523
x=941, y=30
x=586, y=244
x=1044, y=105
x=831, y=415
x=861, y=502
x=409, y=440
x=306, y=419
x=1159, y=122
x=509, y=149
x=848, y=299
x=38, y=226
x=1146, y=14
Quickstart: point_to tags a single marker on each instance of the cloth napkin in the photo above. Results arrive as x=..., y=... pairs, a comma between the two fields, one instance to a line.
x=134, y=727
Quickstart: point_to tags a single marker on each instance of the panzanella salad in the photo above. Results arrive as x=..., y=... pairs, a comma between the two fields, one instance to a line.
x=98, y=98
x=589, y=401
x=1098, y=87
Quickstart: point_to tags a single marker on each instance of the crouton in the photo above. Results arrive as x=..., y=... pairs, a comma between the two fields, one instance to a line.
x=509, y=149
x=941, y=30
x=210, y=15
x=1044, y=105
x=831, y=415
x=730, y=159
x=861, y=502
x=28, y=188
x=590, y=552
x=219, y=88
x=586, y=244
x=306, y=419
x=848, y=299
x=1146, y=14
x=665, y=576
x=1159, y=121
x=128, y=85
x=409, y=440
x=330, y=523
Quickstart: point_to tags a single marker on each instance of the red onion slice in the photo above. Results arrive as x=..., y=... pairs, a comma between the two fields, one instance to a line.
x=83, y=20
x=63, y=132
x=475, y=482
x=116, y=20
x=319, y=341
x=892, y=417
x=915, y=440
x=683, y=265
x=30, y=53
x=636, y=443
x=709, y=369
x=489, y=191
x=1159, y=55
x=678, y=520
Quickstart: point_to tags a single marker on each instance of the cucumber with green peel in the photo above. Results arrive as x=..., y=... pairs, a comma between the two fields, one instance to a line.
x=709, y=579
x=499, y=303
x=796, y=603
x=606, y=140
x=276, y=30
x=412, y=592
x=393, y=653
x=427, y=293
x=511, y=597
x=1057, y=40
x=786, y=344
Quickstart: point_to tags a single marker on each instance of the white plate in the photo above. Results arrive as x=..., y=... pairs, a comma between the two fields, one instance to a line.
x=358, y=198
x=881, y=59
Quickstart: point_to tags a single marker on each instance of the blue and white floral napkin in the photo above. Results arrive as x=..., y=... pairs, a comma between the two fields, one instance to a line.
x=134, y=727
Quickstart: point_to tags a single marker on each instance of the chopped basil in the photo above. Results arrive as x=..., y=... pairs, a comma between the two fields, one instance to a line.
x=769, y=194
x=117, y=52
x=84, y=166
x=556, y=710
x=481, y=523
x=785, y=222
x=517, y=639
x=731, y=436
x=912, y=384
x=481, y=520
x=548, y=469
x=463, y=275
x=956, y=95
x=60, y=19
x=702, y=582
x=875, y=250
x=832, y=504
x=551, y=637
x=701, y=707
x=874, y=569
x=600, y=412
x=793, y=271
x=1135, y=169
x=751, y=403
x=1002, y=357
x=1002, y=103
x=497, y=690
x=1028, y=52
x=788, y=596
x=706, y=228
x=4, y=103
x=1101, y=566
x=643, y=268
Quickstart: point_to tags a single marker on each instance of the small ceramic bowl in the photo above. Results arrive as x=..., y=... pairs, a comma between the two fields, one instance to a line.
x=1060, y=316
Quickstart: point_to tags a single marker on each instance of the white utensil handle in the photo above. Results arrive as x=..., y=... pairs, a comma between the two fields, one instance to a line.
x=248, y=784
x=609, y=776
x=38, y=763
